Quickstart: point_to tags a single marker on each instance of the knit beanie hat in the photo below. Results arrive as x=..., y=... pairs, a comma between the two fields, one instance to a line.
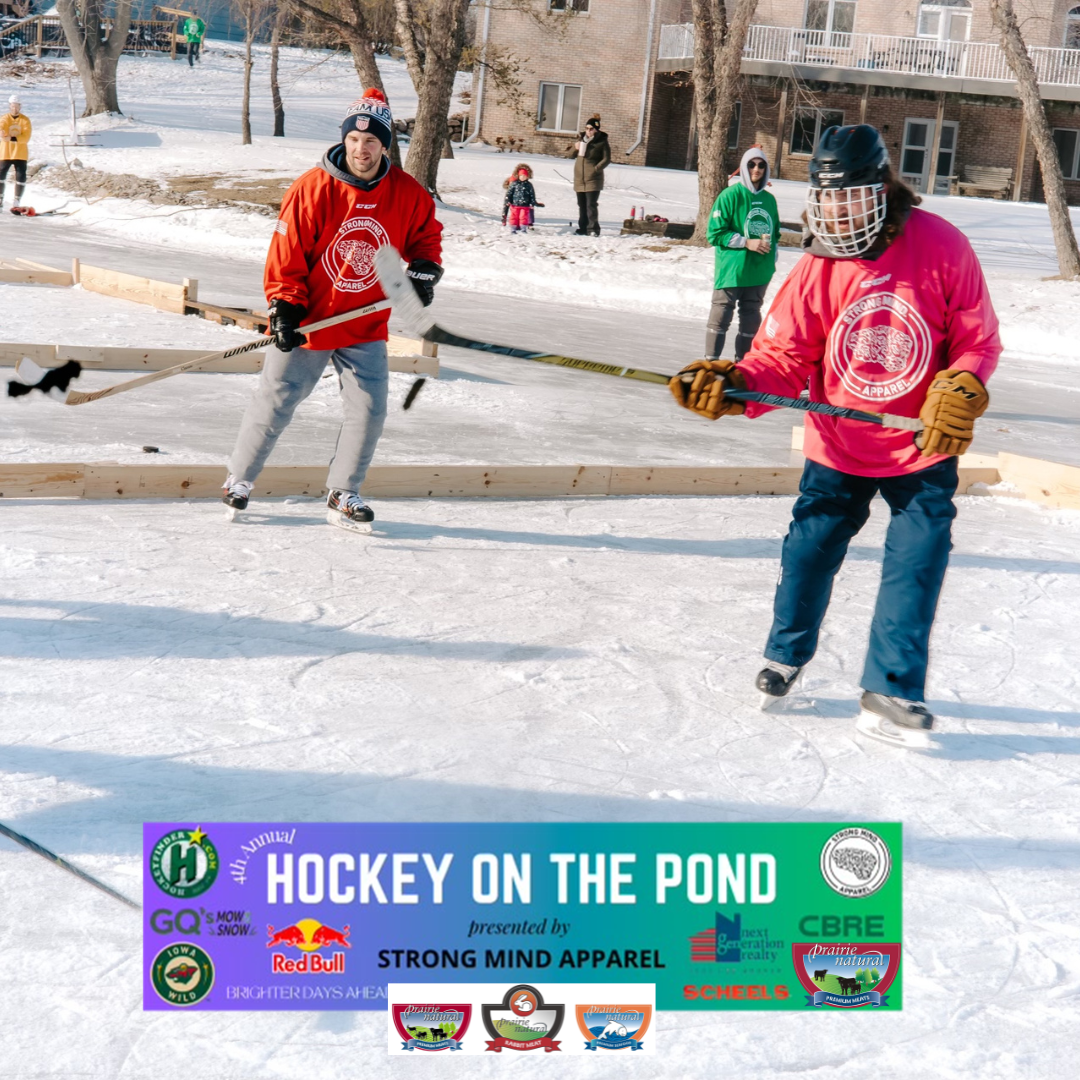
x=371, y=113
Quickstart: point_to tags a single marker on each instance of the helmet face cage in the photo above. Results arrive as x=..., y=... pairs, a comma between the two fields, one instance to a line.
x=846, y=220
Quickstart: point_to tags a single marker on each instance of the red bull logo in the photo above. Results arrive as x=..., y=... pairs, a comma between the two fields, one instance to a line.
x=308, y=936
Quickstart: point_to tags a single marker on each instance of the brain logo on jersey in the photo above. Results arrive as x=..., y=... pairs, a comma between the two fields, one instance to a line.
x=349, y=261
x=860, y=863
x=884, y=345
x=881, y=347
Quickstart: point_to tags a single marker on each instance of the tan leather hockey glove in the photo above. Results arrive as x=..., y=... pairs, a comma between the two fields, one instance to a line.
x=700, y=387
x=955, y=400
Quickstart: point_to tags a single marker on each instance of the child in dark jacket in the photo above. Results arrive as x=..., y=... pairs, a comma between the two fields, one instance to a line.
x=520, y=199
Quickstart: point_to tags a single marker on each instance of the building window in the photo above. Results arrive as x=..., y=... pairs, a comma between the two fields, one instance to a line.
x=837, y=16
x=577, y=6
x=1072, y=29
x=1067, y=142
x=560, y=107
x=945, y=20
x=733, y=127
x=809, y=124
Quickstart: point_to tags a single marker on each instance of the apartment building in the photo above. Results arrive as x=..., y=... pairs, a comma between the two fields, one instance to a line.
x=930, y=76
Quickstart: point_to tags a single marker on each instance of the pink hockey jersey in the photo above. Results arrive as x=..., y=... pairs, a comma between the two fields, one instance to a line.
x=872, y=334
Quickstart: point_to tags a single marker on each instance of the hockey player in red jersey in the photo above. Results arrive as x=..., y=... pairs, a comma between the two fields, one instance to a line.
x=887, y=311
x=320, y=264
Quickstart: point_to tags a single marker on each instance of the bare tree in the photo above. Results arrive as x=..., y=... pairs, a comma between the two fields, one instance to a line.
x=1027, y=85
x=253, y=14
x=718, y=49
x=361, y=25
x=432, y=38
x=95, y=52
x=275, y=89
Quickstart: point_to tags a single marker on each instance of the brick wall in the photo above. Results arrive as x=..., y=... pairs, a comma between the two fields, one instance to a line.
x=602, y=51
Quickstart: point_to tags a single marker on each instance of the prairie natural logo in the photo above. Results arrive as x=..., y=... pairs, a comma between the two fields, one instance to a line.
x=429, y=1027
x=845, y=975
x=182, y=974
x=184, y=863
x=881, y=347
x=613, y=1027
x=523, y=1021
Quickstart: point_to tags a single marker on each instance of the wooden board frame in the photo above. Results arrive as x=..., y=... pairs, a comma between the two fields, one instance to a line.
x=116, y=358
x=1046, y=482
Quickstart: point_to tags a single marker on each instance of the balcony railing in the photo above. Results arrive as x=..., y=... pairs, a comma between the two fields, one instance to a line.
x=881, y=52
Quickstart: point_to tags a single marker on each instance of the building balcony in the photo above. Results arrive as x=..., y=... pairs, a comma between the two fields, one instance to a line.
x=919, y=63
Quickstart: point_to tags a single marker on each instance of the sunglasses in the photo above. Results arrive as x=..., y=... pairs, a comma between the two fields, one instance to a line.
x=756, y=165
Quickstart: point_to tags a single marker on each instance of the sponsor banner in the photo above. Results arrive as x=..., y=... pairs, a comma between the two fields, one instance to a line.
x=327, y=916
x=527, y=1018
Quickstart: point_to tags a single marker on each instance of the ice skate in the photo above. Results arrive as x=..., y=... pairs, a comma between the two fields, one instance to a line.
x=347, y=510
x=235, y=494
x=776, y=681
x=895, y=721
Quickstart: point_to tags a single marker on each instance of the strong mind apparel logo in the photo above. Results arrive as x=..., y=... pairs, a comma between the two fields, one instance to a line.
x=350, y=259
x=184, y=863
x=881, y=347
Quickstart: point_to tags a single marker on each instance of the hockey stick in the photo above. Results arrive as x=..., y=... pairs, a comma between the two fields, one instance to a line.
x=76, y=398
x=397, y=286
x=889, y=420
x=45, y=853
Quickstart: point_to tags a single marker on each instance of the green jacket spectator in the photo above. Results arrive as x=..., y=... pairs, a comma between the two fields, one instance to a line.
x=194, y=29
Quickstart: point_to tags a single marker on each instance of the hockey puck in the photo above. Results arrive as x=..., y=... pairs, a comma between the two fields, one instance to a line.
x=150, y=450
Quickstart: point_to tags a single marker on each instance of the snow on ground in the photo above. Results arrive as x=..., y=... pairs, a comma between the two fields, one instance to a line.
x=282, y=669
x=156, y=663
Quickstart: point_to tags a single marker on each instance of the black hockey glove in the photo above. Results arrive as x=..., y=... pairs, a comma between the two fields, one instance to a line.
x=284, y=320
x=424, y=275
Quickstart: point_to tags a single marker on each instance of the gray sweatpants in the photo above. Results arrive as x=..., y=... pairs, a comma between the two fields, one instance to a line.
x=288, y=378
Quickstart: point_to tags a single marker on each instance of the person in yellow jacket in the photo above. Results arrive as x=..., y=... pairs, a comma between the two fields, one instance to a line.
x=14, y=147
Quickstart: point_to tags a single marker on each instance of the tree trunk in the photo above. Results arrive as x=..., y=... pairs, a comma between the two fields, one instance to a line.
x=245, y=108
x=1027, y=85
x=95, y=57
x=718, y=49
x=445, y=40
x=275, y=89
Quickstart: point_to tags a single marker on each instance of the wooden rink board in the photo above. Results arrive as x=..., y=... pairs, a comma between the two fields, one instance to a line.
x=403, y=355
x=105, y=480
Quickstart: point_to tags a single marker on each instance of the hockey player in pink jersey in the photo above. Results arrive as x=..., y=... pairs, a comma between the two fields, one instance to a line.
x=887, y=311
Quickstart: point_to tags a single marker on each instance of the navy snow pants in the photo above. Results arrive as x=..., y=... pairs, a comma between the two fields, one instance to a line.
x=832, y=507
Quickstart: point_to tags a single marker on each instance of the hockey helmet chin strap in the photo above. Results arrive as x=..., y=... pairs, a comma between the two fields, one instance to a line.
x=846, y=221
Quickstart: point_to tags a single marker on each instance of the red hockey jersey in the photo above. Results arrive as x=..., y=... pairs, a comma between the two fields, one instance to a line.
x=871, y=334
x=322, y=252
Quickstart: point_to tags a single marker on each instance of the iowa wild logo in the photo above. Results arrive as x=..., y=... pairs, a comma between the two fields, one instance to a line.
x=350, y=259
x=881, y=347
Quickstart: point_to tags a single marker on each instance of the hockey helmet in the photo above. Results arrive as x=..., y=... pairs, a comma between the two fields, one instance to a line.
x=845, y=205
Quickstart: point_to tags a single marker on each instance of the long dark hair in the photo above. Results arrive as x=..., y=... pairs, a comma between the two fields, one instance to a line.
x=899, y=200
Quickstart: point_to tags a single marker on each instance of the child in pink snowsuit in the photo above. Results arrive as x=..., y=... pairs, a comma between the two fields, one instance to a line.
x=520, y=199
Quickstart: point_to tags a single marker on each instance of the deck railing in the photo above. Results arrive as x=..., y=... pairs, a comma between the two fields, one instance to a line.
x=882, y=52
x=40, y=34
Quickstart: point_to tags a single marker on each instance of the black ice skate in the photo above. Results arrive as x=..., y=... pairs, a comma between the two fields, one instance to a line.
x=775, y=681
x=347, y=510
x=235, y=494
x=895, y=721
